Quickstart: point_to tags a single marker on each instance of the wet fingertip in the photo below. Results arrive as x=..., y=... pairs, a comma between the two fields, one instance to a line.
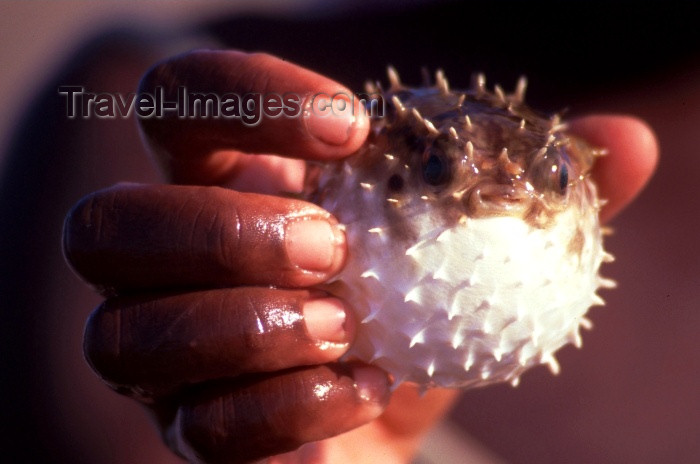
x=337, y=120
x=372, y=387
x=327, y=322
x=315, y=245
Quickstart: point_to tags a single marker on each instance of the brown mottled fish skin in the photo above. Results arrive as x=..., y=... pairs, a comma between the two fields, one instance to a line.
x=453, y=198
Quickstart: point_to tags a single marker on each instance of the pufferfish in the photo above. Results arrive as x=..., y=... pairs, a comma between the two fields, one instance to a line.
x=473, y=235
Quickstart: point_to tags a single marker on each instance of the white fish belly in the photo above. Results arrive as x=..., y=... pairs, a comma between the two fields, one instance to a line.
x=475, y=303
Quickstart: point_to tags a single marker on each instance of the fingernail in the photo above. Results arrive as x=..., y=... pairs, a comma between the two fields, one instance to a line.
x=325, y=320
x=313, y=244
x=371, y=383
x=331, y=118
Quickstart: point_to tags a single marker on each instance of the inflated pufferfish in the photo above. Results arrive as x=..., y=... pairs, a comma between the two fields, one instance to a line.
x=473, y=235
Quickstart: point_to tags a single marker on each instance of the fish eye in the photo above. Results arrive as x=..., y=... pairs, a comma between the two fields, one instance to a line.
x=550, y=172
x=436, y=168
x=557, y=177
x=563, y=177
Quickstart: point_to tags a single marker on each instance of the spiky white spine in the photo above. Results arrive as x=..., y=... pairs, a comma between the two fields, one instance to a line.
x=471, y=304
x=475, y=302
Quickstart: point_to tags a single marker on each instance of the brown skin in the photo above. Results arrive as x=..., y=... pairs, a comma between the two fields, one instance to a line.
x=233, y=369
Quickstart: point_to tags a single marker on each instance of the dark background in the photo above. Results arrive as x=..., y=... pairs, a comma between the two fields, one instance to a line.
x=631, y=395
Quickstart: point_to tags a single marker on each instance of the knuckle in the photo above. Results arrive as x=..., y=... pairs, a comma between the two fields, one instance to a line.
x=102, y=342
x=89, y=229
x=82, y=228
x=223, y=230
x=235, y=427
x=257, y=338
x=229, y=240
x=202, y=429
x=250, y=321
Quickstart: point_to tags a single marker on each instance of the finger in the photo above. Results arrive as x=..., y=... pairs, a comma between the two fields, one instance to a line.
x=633, y=153
x=269, y=174
x=189, y=147
x=241, y=423
x=157, y=344
x=158, y=236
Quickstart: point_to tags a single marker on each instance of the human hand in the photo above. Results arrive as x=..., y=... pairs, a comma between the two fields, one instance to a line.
x=233, y=369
